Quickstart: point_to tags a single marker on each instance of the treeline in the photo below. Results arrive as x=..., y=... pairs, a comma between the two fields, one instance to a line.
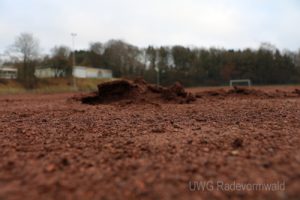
x=194, y=66
x=190, y=65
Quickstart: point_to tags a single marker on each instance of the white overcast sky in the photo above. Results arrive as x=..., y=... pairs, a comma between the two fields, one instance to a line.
x=204, y=23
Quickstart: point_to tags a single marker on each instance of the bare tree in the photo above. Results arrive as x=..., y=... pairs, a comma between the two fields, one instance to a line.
x=266, y=46
x=95, y=55
x=60, y=61
x=27, y=45
x=97, y=48
x=61, y=51
x=26, y=49
x=123, y=58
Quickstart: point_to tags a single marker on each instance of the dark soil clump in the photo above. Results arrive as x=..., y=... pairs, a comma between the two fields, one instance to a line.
x=115, y=89
x=137, y=91
x=237, y=143
x=247, y=92
x=211, y=93
x=297, y=91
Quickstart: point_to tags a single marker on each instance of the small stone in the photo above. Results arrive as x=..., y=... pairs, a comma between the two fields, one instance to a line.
x=158, y=130
x=206, y=149
x=235, y=152
x=271, y=150
x=190, y=141
x=176, y=126
x=50, y=168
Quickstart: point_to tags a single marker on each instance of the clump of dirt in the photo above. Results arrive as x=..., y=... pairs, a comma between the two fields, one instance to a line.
x=111, y=91
x=247, y=92
x=235, y=91
x=137, y=91
x=237, y=143
x=115, y=90
x=297, y=91
x=240, y=90
x=173, y=92
x=211, y=93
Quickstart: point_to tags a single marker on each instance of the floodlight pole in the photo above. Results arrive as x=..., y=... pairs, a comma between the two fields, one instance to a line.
x=158, y=81
x=74, y=60
x=157, y=76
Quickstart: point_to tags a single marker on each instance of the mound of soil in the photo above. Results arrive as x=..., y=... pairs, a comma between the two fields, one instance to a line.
x=137, y=91
x=297, y=91
x=247, y=92
x=211, y=93
x=235, y=91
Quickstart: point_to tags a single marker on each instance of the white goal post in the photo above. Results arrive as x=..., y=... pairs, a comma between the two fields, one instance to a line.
x=248, y=81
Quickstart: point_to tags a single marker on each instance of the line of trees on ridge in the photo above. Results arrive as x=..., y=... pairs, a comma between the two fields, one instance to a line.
x=191, y=66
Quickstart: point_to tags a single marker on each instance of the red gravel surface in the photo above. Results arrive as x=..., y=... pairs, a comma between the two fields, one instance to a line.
x=55, y=147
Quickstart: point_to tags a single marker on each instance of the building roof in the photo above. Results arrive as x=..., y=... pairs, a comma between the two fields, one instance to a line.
x=8, y=68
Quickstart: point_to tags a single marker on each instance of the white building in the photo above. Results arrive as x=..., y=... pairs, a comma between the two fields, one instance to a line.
x=8, y=72
x=89, y=72
x=49, y=72
x=78, y=72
